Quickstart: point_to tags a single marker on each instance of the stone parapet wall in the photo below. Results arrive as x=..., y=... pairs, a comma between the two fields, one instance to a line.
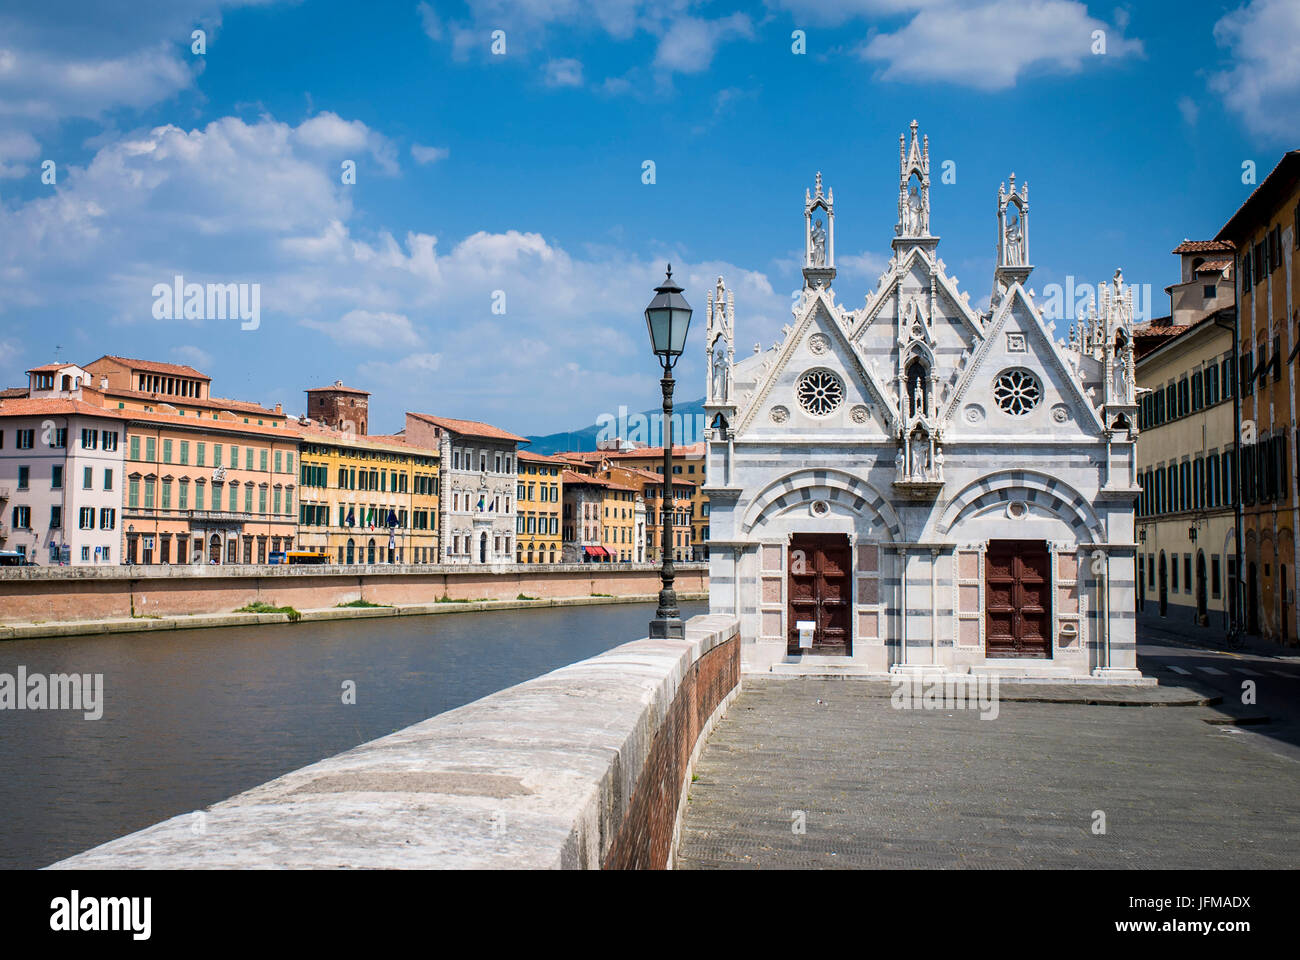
x=59, y=594
x=583, y=768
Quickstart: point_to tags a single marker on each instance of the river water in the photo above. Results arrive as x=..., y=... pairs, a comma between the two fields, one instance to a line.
x=191, y=717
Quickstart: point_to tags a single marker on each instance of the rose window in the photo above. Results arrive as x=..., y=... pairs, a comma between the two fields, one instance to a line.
x=1017, y=392
x=819, y=392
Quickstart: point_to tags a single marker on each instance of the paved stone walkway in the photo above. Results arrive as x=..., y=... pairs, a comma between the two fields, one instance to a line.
x=880, y=787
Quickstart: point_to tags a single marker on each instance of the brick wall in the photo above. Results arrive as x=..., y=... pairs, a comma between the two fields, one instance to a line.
x=78, y=593
x=645, y=839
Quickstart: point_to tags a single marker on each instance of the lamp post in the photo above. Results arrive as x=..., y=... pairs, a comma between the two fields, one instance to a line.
x=667, y=319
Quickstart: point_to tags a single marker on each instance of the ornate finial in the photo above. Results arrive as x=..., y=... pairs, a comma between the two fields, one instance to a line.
x=819, y=183
x=670, y=271
x=913, y=125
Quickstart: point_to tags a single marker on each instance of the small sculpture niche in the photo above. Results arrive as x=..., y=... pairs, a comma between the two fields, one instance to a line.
x=913, y=211
x=1014, y=246
x=720, y=370
x=818, y=243
x=918, y=386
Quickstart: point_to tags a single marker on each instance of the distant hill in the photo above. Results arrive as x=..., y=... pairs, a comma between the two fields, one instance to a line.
x=643, y=427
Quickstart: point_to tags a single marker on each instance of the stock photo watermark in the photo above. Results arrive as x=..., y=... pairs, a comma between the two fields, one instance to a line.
x=56, y=691
x=179, y=300
x=979, y=694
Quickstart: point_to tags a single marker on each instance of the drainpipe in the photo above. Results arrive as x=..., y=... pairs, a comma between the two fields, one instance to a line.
x=1238, y=509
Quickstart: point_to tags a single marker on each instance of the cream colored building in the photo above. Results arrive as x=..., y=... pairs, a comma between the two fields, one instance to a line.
x=1187, y=555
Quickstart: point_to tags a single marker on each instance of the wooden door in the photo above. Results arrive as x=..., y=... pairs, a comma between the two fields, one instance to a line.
x=1018, y=609
x=820, y=590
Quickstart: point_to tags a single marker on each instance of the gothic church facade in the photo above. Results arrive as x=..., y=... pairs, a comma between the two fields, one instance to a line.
x=913, y=485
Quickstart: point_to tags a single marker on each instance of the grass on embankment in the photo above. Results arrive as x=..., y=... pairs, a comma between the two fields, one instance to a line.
x=362, y=603
x=260, y=607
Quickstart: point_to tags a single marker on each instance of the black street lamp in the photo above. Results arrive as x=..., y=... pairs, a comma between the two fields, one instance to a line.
x=667, y=319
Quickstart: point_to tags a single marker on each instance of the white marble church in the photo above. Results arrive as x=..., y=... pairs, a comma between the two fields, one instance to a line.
x=911, y=485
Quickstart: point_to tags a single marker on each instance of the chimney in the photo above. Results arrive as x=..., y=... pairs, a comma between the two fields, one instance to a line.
x=279, y=408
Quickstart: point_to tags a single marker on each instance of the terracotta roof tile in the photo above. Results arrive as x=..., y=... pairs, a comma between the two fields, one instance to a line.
x=153, y=366
x=1205, y=246
x=471, y=428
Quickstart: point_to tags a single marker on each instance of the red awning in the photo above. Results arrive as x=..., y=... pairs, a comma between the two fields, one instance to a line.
x=595, y=551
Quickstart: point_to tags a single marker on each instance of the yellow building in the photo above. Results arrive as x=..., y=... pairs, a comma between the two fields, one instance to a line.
x=538, y=503
x=366, y=499
x=692, y=522
x=622, y=515
x=1186, y=565
x=1265, y=232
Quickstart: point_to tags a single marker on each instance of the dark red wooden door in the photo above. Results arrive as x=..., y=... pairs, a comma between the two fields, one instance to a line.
x=820, y=590
x=1018, y=608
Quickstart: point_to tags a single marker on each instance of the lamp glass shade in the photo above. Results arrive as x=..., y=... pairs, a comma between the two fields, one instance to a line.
x=668, y=318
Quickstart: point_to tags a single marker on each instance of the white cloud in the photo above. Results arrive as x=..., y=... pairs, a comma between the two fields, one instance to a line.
x=194, y=356
x=16, y=147
x=563, y=73
x=1263, y=84
x=690, y=42
x=365, y=328
x=1189, y=110
x=257, y=202
x=347, y=138
x=989, y=45
x=426, y=155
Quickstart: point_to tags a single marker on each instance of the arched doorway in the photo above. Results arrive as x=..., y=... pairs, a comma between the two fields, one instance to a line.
x=352, y=551
x=1202, y=599
x=214, y=549
x=482, y=549
x=1252, y=599
x=370, y=552
x=1164, y=585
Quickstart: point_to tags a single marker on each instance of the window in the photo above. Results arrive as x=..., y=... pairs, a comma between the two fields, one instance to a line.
x=1214, y=576
x=167, y=451
x=201, y=454
x=1247, y=372
x=22, y=518
x=56, y=518
x=1184, y=401
x=88, y=478
x=89, y=439
x=820, y=392
x=150, y=449
x=149, y=484
x=185, y=452
x=183, y=491
x=60, y=438
x=1208, y=291
x=166, y=495
x=108, y=479
x=26, y=439
x=86, y=518
x=56, y=477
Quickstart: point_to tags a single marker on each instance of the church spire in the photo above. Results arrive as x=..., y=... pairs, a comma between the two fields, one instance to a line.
x=819, y=236
x=913, y=227
x=1013, y=237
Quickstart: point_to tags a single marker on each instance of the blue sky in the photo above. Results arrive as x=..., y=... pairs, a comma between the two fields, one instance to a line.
x=522, y=172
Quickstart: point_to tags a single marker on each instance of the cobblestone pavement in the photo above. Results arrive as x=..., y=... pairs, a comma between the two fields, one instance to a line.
x=880, y=787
